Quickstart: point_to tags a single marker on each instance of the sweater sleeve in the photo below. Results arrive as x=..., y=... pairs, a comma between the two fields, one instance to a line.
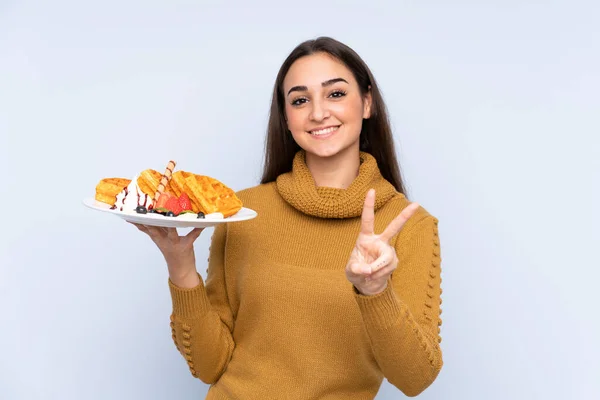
x=202, y=320
x=403, y=322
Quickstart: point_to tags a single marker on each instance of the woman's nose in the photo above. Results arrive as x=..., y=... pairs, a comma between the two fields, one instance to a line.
x=319, y=111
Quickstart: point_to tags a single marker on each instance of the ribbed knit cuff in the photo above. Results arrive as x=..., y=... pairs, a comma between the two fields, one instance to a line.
x=189, y=303
x=381, y=310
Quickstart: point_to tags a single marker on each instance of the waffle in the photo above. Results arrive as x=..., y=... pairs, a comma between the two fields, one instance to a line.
x=178, y=182
x=211, y=196
x=206, y=194
x=108, y=189
x=178, y=186
x=149, y=181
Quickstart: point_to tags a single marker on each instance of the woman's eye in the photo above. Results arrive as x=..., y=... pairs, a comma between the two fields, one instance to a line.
x=299, y=101
x=338, y=93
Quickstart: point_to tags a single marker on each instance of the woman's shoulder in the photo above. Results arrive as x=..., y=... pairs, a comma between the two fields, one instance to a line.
x=399, y=202
x=253, y=197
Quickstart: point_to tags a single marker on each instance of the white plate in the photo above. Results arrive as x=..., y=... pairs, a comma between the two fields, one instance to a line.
x=170, y=222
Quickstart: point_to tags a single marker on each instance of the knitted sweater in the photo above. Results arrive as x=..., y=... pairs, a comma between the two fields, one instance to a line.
x=277, y=318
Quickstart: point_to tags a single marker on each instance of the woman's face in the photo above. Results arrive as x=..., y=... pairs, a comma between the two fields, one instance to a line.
x=323, y=105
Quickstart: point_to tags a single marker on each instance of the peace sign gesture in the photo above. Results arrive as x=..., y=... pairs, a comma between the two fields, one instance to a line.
x=373, y=259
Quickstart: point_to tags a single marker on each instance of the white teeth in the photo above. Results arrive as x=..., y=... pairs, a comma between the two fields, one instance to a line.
x=324, y=131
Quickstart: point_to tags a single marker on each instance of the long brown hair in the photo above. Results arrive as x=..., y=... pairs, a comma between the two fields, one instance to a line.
x=376, y=134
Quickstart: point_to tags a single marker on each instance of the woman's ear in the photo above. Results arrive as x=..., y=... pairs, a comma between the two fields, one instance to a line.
x=367, y=103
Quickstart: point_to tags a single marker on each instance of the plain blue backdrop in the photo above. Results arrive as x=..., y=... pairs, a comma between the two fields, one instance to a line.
x=494, y=106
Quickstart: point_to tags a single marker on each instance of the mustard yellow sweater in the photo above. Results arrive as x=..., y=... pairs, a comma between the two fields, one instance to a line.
x=277, y=318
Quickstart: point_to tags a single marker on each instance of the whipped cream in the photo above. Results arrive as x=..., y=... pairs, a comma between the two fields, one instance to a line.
x=131, y=197
x=216, y=215
x=188, y=216
x=194, y=216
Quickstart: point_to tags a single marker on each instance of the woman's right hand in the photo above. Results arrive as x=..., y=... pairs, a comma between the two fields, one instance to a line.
x=178, y=252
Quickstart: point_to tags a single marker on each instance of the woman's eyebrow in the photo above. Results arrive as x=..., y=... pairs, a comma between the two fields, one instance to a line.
x=324, y=84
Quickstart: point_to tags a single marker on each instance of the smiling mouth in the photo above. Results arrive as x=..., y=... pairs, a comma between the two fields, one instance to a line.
x=324, y=131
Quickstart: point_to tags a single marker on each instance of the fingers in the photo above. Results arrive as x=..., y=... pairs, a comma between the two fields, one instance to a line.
x=194, y=233
x=368, y=215
x=386, y=257
x=139, y=226
x=358, y=269
x=172, y=234
x=156, y=233
x=397, y=223
x=359, y=273
x=362, y=273
x=383, y=272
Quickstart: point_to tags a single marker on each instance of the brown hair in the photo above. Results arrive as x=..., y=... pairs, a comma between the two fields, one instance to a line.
x=376, y=134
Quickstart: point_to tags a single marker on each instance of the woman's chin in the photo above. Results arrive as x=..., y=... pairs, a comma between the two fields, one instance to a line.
x=328, y=151
x=321, y=152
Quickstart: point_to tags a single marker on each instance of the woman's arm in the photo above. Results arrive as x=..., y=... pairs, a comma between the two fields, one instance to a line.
x=403, y=321
x=202, y=320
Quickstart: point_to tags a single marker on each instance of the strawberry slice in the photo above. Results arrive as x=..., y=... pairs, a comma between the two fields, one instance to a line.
x=185, y=202
x=173, y=205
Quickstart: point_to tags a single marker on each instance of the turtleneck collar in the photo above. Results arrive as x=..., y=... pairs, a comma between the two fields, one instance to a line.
x=298, y=188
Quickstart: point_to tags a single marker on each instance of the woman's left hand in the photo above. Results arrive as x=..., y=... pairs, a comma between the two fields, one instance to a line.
x=373, y=259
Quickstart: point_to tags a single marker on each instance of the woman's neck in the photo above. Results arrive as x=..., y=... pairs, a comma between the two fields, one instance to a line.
x=338, y=171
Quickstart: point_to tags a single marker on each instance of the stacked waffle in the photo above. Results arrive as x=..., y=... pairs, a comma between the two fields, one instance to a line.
x=207, y=195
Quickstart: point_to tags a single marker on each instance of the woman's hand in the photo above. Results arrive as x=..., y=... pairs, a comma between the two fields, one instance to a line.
x=373, y=259
x=178, y=252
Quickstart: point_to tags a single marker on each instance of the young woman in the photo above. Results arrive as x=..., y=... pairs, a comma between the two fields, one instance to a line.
x=336, y=284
